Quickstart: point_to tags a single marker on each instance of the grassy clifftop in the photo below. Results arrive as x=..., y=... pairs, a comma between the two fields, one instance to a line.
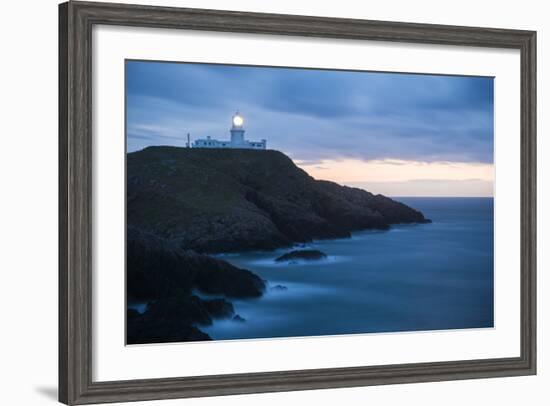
x=222, y=200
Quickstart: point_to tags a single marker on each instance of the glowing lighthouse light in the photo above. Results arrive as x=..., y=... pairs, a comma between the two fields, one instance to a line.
x=238, y=121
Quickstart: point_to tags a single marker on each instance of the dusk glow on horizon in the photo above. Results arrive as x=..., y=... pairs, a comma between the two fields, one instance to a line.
x=388, y=133
x=407, y=178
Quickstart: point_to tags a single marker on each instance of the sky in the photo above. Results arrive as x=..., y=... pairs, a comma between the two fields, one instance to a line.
x=391, y=133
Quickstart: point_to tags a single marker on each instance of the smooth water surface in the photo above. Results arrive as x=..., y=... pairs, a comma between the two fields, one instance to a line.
x=412, y=277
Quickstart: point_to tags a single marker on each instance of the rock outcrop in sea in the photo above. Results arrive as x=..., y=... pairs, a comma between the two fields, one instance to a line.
x=306, y=255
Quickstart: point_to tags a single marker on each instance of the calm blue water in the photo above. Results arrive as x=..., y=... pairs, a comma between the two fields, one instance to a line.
x=412, y=277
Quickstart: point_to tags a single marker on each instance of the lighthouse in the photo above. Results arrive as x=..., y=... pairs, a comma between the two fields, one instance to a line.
x=237, y=130
x=237, y=138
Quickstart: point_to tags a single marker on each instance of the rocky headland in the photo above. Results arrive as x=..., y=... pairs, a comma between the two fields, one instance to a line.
x=184, y=204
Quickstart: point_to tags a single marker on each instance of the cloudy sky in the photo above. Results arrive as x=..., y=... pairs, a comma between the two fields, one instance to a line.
x=395, y=134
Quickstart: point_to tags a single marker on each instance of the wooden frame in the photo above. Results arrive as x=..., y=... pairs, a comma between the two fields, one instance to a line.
x=75, y=179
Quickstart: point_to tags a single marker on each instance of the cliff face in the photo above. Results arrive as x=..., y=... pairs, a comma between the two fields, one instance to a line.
x=157, y=269
x=166, y=278
x=222, y=200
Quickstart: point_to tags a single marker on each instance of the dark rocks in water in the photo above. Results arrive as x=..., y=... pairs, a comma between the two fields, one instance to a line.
x=219, y=308
x=279, y=287
x=157, y=268
x=307, y=255
x=239, y=319
x=220, y=200
x=174, y=318
x=146, y=330
x=186, y=309
x=219, y=277
x=165, y=275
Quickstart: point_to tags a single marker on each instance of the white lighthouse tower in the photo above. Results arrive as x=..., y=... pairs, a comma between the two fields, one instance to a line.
x=237, y=138
x=237, y=130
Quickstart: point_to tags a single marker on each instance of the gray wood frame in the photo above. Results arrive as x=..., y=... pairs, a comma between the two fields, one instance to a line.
x=76, y=20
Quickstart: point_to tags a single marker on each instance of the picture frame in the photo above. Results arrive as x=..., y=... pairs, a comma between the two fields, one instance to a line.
x=76, y=20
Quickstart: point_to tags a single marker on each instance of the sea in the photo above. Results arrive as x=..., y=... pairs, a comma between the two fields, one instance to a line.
x=419, y=277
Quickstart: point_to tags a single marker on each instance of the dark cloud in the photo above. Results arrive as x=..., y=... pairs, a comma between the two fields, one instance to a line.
x=314, y=114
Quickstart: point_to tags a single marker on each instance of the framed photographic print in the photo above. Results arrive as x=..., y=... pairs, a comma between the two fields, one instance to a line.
x=257, y=202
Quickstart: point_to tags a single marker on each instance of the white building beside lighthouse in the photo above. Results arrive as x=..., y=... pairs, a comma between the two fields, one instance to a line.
x=237, y=138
